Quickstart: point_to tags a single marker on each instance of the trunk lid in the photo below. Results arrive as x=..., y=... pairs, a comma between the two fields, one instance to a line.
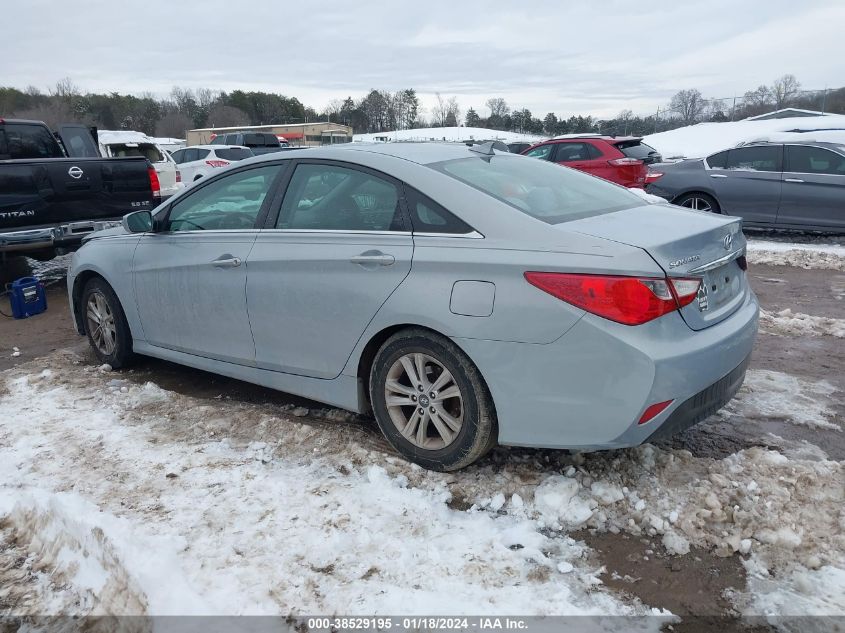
x=684, y=243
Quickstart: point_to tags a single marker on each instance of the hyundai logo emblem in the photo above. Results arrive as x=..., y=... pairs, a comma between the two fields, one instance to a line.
x=729, y=238
x=75, y=172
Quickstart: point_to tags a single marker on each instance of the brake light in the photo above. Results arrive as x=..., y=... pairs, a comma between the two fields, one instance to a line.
x=626, y=300
x=178, y=176
x=621, y=162
x=155, y=185
x=216, y=163
x=652, y=176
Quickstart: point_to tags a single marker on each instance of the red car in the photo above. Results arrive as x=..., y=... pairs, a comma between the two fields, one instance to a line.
x=619, y=159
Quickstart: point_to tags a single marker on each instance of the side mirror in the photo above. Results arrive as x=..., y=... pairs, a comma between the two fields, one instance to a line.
x=138, y=222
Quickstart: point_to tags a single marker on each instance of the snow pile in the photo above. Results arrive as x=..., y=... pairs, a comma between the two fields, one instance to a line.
x=171, y=505
x=453, y=134
x=702, y=139
x=241, y=508
x=650, y=198
x=789, y=323
x=775, y=395
x=802, y=255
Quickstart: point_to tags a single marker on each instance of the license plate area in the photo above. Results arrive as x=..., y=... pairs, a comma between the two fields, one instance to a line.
x=719, y=286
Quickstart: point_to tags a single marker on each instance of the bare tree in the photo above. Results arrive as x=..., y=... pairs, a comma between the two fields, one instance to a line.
x=65, y=89
x=498, y=107
x=689, y=105
x=784, y=90
x=226, y=116
x=174, y=125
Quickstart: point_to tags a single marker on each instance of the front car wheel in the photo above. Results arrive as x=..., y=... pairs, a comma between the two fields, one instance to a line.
x=105, y=324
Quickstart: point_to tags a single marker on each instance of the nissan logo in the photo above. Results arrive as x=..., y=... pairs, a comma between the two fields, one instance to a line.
x=729, y=238
x=75, y=172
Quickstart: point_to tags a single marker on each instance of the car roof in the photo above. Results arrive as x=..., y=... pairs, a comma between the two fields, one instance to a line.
x=823, y=144
x=601, y=137
x=213, y=147
x=422, y=153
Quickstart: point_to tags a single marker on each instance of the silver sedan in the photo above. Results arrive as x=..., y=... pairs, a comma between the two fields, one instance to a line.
x=464, y=296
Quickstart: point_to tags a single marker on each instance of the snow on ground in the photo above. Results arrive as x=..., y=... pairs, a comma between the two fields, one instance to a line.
x=457, y=134
x=774, y=394
x=125, y=498
x=789, y=323
x=702, y=139
x=818, y=253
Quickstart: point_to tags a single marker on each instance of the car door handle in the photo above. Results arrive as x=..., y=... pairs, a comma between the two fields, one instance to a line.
x=373, y=257
x=718, y=176
x=792, y=180
x=227, y=261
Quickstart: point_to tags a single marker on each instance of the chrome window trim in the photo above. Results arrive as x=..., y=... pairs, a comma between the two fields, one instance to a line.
x=474, y=235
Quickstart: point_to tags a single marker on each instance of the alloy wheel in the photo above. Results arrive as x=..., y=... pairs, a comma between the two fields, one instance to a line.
x=101, y=323
x=699, y=204
x=424, y=401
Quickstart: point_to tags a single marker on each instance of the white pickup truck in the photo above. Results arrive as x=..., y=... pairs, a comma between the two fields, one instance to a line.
x=124, y=143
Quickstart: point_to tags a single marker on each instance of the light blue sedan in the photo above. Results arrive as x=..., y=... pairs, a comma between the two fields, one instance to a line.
x=464, y=296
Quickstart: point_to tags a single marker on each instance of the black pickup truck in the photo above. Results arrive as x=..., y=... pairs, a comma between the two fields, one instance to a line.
x=56, y=188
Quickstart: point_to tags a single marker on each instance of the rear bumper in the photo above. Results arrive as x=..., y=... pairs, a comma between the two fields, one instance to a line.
x=67, y=234
x=589, y=389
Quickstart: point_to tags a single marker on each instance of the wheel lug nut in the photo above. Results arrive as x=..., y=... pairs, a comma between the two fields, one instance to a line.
x=414, y=398
x=422, y=410
x=420, y=387
x=431, y=409
x=433, y=394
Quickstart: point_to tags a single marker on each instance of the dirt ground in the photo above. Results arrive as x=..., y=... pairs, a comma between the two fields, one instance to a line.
x=696, y=583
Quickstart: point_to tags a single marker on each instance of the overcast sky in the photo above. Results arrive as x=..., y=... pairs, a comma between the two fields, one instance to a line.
x=565, y=57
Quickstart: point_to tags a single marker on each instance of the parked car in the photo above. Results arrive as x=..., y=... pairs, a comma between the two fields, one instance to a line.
x=775, y=185
x=259, y=142
x=55, y=189
x=200, y=160
x=123, y=143
x=620, y=159
x=465, y=296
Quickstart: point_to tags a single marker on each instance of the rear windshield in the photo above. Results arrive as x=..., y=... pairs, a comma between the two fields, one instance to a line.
x=635, y=149
x=233, y=153
x=148, y=151
x=545, y=191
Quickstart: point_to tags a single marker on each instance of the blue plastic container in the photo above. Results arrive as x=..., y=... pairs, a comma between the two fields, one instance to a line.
x=27, y=297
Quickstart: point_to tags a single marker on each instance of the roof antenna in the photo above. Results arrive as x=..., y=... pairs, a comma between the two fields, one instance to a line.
x=487, y=148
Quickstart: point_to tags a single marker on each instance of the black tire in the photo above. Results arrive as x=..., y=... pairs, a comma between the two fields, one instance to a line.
x=478, y=432
x=689, y=199
x=121, y=354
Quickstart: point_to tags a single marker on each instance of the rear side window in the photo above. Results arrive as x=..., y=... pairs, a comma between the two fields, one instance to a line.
x=202, y=153
x=636, y=149
x=218, y=140
x=537, y=188
x=252, y=140
x=758, y=158
x=718, y=161
x=334, y=198
x=147, y=150
x=429, y=217
x=568, y=152
x=270, y=140
x=31, y=141
x=814, y=160
x=233, y=153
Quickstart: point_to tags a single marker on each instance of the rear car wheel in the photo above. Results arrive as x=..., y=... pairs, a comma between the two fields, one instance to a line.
x=105, y=324
x=699, y=202
x=430, y=401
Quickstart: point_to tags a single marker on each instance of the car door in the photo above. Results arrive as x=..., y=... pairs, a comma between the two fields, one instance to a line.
x=338, y=247
x=813, y=187
x=190, y=275
x=747, y=182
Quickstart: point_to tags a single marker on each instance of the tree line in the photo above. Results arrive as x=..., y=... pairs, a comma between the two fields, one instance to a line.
x=383, y=110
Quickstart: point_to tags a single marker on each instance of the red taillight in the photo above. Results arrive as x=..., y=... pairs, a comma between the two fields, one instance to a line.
x=178, y=176
x=627, y=300
x=652, y=176
x=155, y=185
x=653, y=411
x=216, y=163
x=619, y=162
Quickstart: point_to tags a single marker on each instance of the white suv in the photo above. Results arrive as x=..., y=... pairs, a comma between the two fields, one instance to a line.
x=200, y=160
x=122, y=143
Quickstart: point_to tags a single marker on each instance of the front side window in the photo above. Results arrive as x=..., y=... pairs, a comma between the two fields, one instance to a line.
x=232, y=202
x=333, y=198
x=543, y=152
x=757, y=158
x=539, y=189
x=233, y=153
x=804, y=159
